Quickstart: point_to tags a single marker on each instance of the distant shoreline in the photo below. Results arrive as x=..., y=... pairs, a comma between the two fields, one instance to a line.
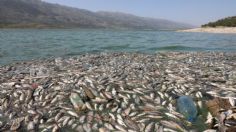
x=212, y=30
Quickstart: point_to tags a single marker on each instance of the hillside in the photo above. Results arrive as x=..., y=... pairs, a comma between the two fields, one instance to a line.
x=129, y=20
x=38, y=14
x=226, y=22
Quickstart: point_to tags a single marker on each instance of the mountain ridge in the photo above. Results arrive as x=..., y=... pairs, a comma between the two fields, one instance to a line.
x=40, y=14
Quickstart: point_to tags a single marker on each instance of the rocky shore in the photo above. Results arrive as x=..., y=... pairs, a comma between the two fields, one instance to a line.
x=212, y=30
x=118, y=92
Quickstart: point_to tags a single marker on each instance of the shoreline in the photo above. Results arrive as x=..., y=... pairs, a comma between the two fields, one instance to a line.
x=90, y=91
x=224, y=30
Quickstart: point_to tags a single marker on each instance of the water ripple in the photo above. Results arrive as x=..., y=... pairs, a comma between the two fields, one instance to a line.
x=25, y=44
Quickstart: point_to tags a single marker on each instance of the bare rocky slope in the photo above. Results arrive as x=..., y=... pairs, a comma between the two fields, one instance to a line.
x=36, y=13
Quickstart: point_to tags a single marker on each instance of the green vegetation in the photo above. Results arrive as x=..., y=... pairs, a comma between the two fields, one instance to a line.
x=226, y=22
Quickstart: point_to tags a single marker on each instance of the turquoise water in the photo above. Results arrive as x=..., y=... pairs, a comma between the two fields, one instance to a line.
x=26, y=44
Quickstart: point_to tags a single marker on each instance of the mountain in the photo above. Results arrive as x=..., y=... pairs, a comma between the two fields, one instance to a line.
x=225, y=22
x=119, y=19
x=39, y=14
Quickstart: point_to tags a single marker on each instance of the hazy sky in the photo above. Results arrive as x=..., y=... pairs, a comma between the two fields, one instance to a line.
x=195, y=12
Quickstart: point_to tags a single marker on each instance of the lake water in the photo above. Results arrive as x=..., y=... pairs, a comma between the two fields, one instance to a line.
x=26, y=44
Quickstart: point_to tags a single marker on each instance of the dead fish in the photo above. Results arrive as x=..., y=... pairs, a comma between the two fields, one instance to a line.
x=164, y=103
x=114, y=109
x=230, y=122
x=22, y=96
x=232, y=101
x=95, y=127
x=108, y=95
x=80, y=128
x=131, y=124
x=133, y=114
x=62, y=118
x=103, y=130
x=88, y=92
x=76, y=101
x=16, y=124
x=172, y=116
x=152, y=95
x=177, y=114
x=138, y=91
x=88, y=106
x=127, y=111
x=64, y=123
x=73, y=113
x=120, y=120
x=99, y=100
x=82, y=119
x=101, y=107
x=90, y=116
x=210, y=130
x=141, y=114
x=58, y=116
x=143, y=120
x=112, y=116
x=156, y=127
x=149, y=127
x=30, y=126
x=169, y=130
x=173, y=125
x=73, y=126
x=154, y=116
x=55, y=128
x=199, y=95
x=129, y=130
x=29, y=95
x=54, y=100
x=120, y=128
x=87, y=127
x=70, y=122
x=109, y=126
x=119, y=110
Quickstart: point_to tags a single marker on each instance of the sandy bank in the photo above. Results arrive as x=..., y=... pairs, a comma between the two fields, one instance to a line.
x=212, y=30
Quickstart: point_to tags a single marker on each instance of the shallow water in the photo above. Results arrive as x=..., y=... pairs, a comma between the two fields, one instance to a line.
x=26, y=44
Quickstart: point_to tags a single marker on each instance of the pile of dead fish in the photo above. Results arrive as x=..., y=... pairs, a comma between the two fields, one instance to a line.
x=112, y=91
x=222, y=115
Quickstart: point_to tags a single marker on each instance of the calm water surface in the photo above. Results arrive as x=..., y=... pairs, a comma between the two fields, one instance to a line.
x=26, y=44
